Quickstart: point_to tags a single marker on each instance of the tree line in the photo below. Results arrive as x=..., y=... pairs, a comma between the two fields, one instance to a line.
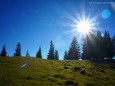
x=98, y=47
x=95, y=47
x=52, y=55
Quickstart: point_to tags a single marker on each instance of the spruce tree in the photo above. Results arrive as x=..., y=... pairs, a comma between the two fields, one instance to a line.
x=65, y=55
x=108, y=46
x=113, y=45
x=50, y=55
x=39, y=53
x=27, y=54
x=99, y=46
x=18, y=50
x=56, y=55
x=74, y=50
x=3, y=52
x=89, y=46
x=85, y=49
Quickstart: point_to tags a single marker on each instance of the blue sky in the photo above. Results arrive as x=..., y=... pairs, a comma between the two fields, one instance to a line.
x=35, y=23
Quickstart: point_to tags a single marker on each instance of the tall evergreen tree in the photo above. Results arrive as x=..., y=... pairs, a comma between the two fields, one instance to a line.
x=3, y=52
x=85, y=54
x=74, y=50
x=39, y=53
x=113, y=43
x=99, y=47
x=89, y=46
x=56, y=55
x=18, y=50
x=65, y=55
x=27, y=54
x=108, y=46
x=50, y=55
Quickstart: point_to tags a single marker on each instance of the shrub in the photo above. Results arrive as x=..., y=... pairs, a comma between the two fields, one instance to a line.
x=59, y=76
x=51, y=79
x=90, y=84
x=90, y=75
x=66, y=67
x=29, y=78
x=71, y=83
x=76, y=68
x=103, y=71
x=107, y=78
x=112, y=67
x=83, y=72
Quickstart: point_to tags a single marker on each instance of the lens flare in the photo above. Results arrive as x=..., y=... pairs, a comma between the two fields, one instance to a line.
x=25, y=64
x=106, y=14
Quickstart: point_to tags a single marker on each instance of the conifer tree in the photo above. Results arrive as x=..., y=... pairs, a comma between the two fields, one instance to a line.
x=18, y=50
x=50, y=55
x=39, y=53
x=99, y=47
x=56, y=55
x=65, y=55
x=113, y=43
x=3, y=52
x=108, y=46
x=86, y=53
x=27, y=54
x=74, y=50
x=89, y=46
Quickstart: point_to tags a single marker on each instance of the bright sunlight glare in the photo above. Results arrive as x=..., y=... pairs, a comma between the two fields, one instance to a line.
x=84, y=26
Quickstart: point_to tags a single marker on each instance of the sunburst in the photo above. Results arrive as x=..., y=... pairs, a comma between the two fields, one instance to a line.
x=85, y=25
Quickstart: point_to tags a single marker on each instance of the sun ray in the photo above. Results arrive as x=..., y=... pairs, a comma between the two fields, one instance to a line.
x=81, y=25
x=85, y=25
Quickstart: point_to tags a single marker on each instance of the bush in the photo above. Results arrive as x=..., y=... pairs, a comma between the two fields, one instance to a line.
x=51, y=79
x=90, y=75
x=28, y=78
x=112, y=67
x=90, y=84
x=59, y=76
x=66, y=67
x=71, y=83
x=83, y=72
x=103, y=71
x=76, y=68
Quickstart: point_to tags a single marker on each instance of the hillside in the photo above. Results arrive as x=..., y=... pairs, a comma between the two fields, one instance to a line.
x=18, y=71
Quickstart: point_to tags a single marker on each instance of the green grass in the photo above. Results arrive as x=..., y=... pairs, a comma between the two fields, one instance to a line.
x=55, y=73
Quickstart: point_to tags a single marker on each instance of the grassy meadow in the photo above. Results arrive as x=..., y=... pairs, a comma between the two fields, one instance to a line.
x=25, y=71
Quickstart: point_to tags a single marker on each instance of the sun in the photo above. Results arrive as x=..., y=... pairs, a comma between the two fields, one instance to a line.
x=84, y=26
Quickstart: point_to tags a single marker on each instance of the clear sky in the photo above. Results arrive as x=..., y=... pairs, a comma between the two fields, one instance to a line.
x=35, y=23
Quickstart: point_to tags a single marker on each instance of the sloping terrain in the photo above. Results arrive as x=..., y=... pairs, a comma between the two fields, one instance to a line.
x=23, y=71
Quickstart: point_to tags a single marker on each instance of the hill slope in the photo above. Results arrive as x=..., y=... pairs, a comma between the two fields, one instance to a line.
x=19, y=71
